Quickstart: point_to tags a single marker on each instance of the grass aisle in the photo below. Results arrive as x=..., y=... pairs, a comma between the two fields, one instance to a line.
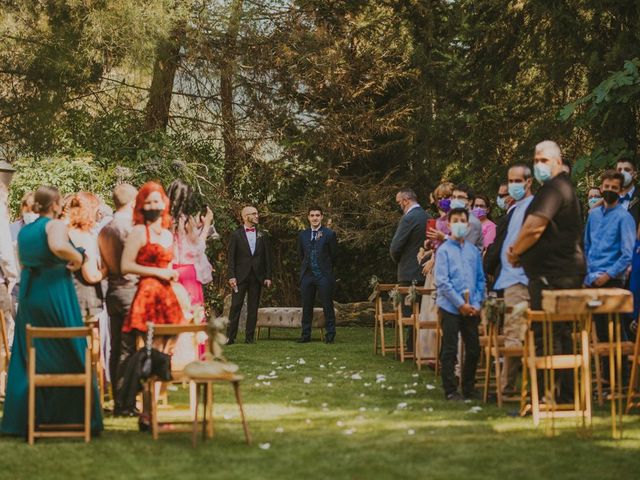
x=336, y=411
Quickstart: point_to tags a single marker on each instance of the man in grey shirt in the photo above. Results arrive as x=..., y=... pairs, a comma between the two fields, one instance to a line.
x=409, y=237
x=122, y=288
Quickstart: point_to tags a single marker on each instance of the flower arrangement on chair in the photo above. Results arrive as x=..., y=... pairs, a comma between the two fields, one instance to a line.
x=214, y=364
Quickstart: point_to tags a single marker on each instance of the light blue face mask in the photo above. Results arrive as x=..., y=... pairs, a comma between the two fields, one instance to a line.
x=501, y=202
x=517, y=191
x=459, y=230
x=457, y=203
x=542, y=172
x=593, y=201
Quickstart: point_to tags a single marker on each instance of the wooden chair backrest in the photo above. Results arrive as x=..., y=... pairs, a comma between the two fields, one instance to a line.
x=385, y=287
x=419, y=290
x=56, y=332
x=541, y=316
x=171, y=329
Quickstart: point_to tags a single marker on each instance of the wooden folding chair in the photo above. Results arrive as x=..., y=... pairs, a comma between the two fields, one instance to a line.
x=380, y=318
x=419, y=325
x=598, y=350
x=178, y=376
x=401, y=322
x=578, y=361
x=96, y=360
x=37, y=380
x=632, y=392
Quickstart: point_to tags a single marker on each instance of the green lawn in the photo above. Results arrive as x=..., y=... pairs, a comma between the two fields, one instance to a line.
x=337, y=426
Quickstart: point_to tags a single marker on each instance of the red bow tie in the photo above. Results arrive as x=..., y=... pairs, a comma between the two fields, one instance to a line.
x=249, y=229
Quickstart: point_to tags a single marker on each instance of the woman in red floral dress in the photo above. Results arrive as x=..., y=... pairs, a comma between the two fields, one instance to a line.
x=148, y=252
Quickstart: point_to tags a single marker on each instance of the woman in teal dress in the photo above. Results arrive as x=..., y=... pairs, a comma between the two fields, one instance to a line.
x=47, y=299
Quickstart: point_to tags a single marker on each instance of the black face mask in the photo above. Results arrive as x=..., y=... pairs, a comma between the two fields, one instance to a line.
x=610, y=197
x=152, y=215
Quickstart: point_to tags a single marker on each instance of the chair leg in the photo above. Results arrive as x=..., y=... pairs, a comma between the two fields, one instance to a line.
x=87, y=397
x=401, y=341
x=633, y=379
x=194, y=427
x=498, y=374
x=417, y=354
x=375, y=335
x=269, y=333
x=32, y=395
x=210, y=407
x=258, y=330
x=154, y=408
x=247, y=434
x=383, y=348
x=535, y=401
x=598, y=367
x=524, y=385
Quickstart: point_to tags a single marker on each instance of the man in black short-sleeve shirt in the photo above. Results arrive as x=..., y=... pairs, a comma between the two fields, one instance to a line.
x=549, y=246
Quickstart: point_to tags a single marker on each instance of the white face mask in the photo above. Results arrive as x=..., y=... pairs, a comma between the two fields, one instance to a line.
x=628, y=178
x=29, y=217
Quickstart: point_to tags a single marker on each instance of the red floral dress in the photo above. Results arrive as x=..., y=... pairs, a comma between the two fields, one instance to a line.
x=155, y=300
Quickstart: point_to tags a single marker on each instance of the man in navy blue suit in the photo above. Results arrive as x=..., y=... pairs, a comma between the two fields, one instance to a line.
x=317, y=247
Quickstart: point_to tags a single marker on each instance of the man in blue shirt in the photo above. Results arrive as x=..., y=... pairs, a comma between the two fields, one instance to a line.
x=609, y=238
x=460, y=286
x=512, y=280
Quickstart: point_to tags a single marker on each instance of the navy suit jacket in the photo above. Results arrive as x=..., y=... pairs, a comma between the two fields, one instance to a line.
x=327, y=247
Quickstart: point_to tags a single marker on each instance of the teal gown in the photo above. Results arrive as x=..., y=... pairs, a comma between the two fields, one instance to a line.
x=47, y=298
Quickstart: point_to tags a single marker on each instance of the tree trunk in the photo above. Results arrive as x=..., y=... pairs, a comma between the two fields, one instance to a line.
x=164, y=72
x=232, y=149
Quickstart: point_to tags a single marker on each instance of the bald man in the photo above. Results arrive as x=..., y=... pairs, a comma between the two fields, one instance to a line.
x=249, y=269
x=549, y=245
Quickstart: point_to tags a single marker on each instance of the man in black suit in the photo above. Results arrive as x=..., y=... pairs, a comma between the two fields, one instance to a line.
x=317, y=247
x=409, y=237
x=249, y=268
x=630, y=195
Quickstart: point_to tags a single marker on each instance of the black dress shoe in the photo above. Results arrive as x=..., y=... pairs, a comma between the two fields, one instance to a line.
x=250, y=341
x=303, y=340
x=230, y=342
x=329, y=340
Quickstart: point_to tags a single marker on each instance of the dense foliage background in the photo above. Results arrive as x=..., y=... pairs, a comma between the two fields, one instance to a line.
x=286, y=103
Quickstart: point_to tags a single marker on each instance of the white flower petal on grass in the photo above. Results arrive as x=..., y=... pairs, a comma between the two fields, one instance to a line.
x=301, y=361
x=308, y=421
x=402, y=405
x=376, y=409
x=340, y=423
x=430, y=409
x=475, y=409
x=325, y=404
x=430, y=387
x=415, y=384
x=389, y=388
x=322, y=366
x=411, y=431
x=363, y=409
x=307, y=380
x=264, y=446
x=274, y=363
x=410, y=392
x=329, y=385
x=415, y=375
x=362, y=395
x=343, y=367
x=367, y=384
x=356, y=376
x=351, y=431
x=266, y=384
x=279, y=430
x=272, y=373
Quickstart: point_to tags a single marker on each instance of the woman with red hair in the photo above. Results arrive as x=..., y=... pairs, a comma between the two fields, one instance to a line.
x=148, y=253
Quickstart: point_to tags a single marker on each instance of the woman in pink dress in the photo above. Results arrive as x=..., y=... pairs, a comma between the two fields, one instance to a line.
x=482, y=210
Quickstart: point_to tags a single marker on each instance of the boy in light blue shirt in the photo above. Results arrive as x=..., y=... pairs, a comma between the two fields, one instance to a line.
x=460, y=287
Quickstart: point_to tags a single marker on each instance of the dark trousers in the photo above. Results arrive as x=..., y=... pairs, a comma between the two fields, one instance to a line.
x=562, y=341
x=251, y=287
x=309, y=286
x=118, y=301
x=467, y=327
